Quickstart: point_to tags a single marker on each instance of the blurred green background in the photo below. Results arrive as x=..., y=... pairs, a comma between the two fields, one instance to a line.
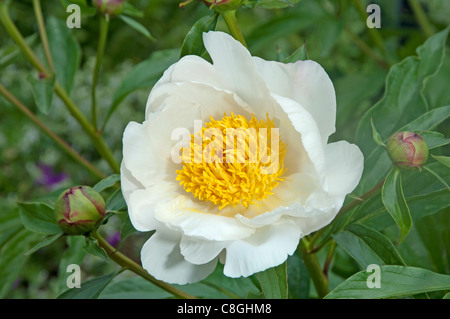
x=335, y=35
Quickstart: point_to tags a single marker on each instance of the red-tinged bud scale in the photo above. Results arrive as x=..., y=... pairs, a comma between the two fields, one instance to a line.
x=79, y=210
x=407, y=149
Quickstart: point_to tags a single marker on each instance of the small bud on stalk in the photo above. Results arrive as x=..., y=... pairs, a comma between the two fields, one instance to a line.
x=407, y=149
x=79, y=210
x=110, y=7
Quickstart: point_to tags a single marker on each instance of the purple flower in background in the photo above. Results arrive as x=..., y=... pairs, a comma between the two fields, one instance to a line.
x=48, y=177
x=114, y=239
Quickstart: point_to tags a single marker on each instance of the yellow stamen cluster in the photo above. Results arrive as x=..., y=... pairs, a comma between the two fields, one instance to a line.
x=233, y=161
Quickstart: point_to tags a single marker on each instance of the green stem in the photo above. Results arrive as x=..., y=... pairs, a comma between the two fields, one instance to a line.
x=131, y=265
x=104, y=25
x=233, y=26
x=373, y=32
x=98, y=141
x=315, y=271
x=421, y=17
x=43, y=33
x=17, y=37
x=60, y=142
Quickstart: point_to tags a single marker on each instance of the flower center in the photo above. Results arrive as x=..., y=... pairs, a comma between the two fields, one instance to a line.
x=233, y=161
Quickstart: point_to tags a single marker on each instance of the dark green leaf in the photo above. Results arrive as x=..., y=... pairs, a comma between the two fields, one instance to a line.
x=73, y=254
x=90, y=289
x=12, y=258
x=130, y=10
x=433, y=139
x=38, y=217
x=137, y=26
x=396, y=281
x=395, y=203
x=367, y=246
x=47, y=241
x=116, y=202
x=443, y=159
x=94, y=249
x=193, y=42
x=134, y=288
x=271, y=4
x=65, y=52
x=274, y=282
x=107, y=182
x=42, y=91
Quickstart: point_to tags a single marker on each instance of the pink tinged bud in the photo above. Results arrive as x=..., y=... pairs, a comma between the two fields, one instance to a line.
x=79, y=210
x=111, y=7
x=407, y=149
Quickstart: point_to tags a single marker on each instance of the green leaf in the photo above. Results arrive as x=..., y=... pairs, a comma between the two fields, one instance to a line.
x=13, y=259
x=143, y=75
x=42, y=91
x=137, y=26
x=133, y=288
x=299, y=55
x=47, y=241
x=274, y=282
x=193, y=42
x=130, y=10
x=395, y=203
x=116, y=202
x=73, y=254
x=106, y=183
x=376, y=136
x=433, y=139
x=396, y=281
x=443, y=159
x=65, y=52
x=367, y=246
x=94, y=249
x=38, y=217
x=271, y=4
x=90, y=289
x=402, y=106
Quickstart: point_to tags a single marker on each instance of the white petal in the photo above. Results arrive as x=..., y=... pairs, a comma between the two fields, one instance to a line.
x=268, y=247
x=209, y=100
x=161, y=257
x=345, y=164
x=307, y=83
x=304, y=124
x=191, y=68
x=184, y=215
x=200, y=251
x=142, y=204
x=139, y=155
x=238, y=70
x=319, y=220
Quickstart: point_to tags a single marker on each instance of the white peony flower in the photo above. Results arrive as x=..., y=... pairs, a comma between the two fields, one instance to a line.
x=232, y=212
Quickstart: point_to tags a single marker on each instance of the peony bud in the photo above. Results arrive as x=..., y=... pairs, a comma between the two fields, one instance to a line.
x=111, y=7
x=407, y=149
x=79, y=209
x=223, y=5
